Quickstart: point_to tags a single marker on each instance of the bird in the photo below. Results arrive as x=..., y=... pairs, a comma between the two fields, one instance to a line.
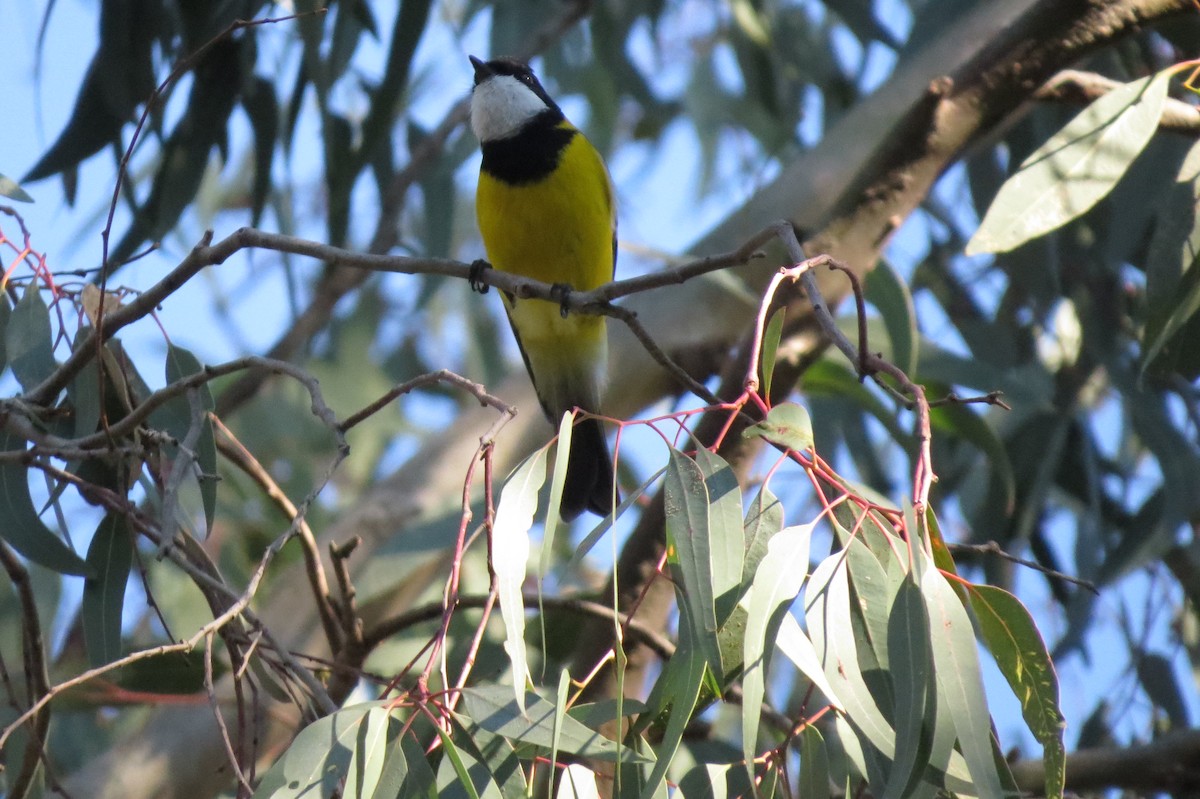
x=546, y=211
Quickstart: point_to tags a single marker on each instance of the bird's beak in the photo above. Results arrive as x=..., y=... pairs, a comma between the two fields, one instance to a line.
x=482, y=70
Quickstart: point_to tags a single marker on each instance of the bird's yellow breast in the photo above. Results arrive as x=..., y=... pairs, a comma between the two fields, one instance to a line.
x=558, y=229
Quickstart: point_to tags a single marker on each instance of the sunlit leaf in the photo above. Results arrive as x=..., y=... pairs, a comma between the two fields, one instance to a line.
x=510, y=559
x=493, y=708
x=1076, y=168
x=776, y=584
x=345, y=746
x=959, y=679
x=725, y=537
x=687, y=505
x=787, y=425
x=1014, y=641
x=11, y=189
x=911, y=667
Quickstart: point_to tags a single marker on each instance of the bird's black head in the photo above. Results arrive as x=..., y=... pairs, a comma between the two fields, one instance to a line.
x=486, y=70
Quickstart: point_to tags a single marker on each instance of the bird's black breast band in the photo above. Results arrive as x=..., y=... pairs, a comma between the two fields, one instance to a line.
x=530, y=155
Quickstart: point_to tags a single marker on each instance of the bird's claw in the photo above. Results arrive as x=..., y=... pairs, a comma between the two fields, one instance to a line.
x=475, y=276
x=562, y=293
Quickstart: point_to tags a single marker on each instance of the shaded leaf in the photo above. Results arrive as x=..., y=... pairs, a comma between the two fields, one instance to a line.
x=29, y=339
x=182, y=363
x=888, y=292
x=764, y=519
x=770, y=346
x=911, y=668
x=814, y=765
x=110, y=558
x=19, y=522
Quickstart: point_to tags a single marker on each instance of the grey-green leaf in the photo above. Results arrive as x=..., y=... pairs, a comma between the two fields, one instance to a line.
x=494, y=709
x=110, y=557
x=29, y=340
x=1076, y=168
x=787, y=425
x=11, y=189
x=19, y=522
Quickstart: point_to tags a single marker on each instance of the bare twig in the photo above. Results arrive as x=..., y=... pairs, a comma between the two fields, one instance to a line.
x=244, y=787
x=993, y=548
x=1080, y=87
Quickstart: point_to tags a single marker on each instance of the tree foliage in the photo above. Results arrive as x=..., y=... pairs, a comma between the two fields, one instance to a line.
x=857, y=479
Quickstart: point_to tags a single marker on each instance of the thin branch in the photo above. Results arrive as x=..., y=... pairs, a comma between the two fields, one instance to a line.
x=659, y=643
x=993, y=548
x=1081, y=88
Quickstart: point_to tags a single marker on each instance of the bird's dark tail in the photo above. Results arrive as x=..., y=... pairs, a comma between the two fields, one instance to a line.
x=589, y=481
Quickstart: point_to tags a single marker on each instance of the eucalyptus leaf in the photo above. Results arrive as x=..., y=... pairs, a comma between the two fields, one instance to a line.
x=1076, y=168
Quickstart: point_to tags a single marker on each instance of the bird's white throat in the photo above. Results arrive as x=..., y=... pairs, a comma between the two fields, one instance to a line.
x=500, y=107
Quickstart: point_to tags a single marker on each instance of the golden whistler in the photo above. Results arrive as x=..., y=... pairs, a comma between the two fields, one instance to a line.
x=546, y=211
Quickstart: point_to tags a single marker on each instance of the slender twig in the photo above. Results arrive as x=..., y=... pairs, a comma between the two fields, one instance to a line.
x=36, y=674
x=658, y=643
x=993, y=548
x=215, y=703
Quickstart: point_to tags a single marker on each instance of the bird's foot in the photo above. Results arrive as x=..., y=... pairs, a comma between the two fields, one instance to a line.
x=475, y=276
x=562, y=293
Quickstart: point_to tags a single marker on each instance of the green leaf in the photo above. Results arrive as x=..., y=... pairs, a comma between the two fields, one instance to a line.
x=770, y=347
x=683, y=677
x=110, y=557
x=462, y=764
x=888, y=292
x=347, y=747
x=181, y=363
x=827, y=612
x=11, y=189
x=1172, y=280
x=493, y=708
x=911, y=667
x=686, y=506
x=1013, y=639
x=814, y=765
x=725, y=537
x=510, y=559
x=29, y=339
x=763, y=520
x=5, y=318
x=787, y=425
x=19, y=522
x=798, y=648
x=1076, y=168
x=776, y=584
x=960, y=681
x=558, y=479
